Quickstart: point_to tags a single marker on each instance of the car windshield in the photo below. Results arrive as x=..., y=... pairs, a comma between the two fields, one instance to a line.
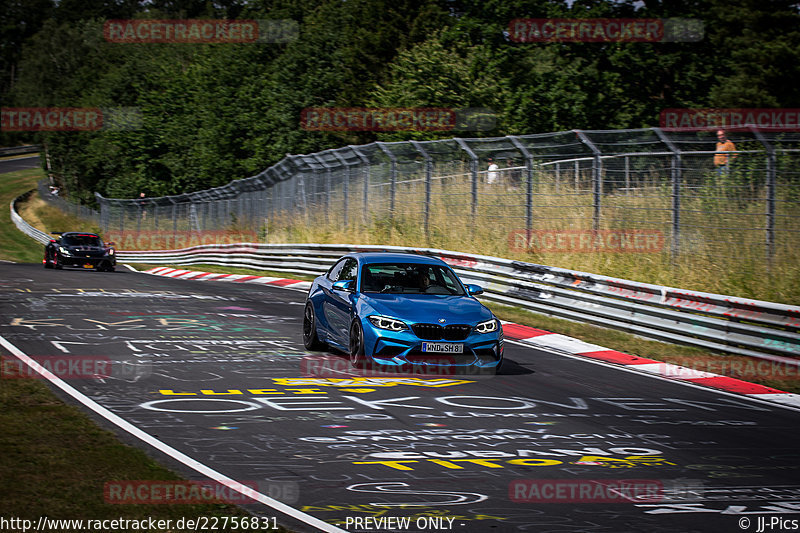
x=409, y=278
x=81, y=240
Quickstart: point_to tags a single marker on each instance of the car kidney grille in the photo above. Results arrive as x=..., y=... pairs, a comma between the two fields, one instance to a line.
x=435, y=332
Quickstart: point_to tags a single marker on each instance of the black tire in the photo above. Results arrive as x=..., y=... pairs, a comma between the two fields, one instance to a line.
x=356, y=344
x=310, y=339
x=46, y=262
x=57, y=262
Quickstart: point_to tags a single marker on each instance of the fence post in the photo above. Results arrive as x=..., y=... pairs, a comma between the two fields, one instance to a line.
x=675, y=175
x=365, y=171
x=174, y=218
x=627, y=176
x=769, y=237
x=393, y=178
x=597, y=179
x=428, y=176
x=473, y=171
x=529, y=191
x=121, y=217
x=346, y=184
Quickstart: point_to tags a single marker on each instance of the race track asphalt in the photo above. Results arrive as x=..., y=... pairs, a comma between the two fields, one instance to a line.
x=218, y=372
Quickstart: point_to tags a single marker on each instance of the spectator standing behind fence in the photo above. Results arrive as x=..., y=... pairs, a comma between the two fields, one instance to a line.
x=491, y=174
x=514, y=174
x=722, y=160
x=142, y=204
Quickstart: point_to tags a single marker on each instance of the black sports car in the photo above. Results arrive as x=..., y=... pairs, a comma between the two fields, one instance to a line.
x=83, y=250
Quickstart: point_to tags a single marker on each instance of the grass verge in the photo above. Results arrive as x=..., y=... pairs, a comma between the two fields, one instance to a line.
x=56, y=460
x=15, y=245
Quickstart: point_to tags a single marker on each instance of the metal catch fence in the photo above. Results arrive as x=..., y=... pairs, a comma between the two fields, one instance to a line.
x=672, y=183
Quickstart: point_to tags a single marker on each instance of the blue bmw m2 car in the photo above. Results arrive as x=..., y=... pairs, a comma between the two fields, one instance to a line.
x=398, y=310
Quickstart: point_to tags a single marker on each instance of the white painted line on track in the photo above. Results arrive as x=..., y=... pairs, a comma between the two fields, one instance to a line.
x=794, y=405
x=166, y=448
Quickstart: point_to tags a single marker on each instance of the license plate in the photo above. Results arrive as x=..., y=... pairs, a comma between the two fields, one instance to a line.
x=88, y=265
x=442, y=347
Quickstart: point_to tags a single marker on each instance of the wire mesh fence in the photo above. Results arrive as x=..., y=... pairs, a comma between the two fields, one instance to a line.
x=50, y=195
x=573, y=188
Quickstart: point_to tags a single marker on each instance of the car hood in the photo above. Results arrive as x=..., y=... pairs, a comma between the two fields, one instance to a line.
x=80, y=248
x=427, y=308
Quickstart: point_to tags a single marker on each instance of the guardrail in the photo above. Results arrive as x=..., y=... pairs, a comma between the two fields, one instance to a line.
x=740, y=326
x=15, y=150
x=727, y=324
x=23, y=226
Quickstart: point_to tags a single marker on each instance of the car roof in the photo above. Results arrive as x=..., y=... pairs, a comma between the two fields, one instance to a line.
x=81, y=233
x=394, y=257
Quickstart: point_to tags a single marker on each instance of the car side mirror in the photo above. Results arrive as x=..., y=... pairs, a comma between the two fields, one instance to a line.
x=474, y=290
x=111, y=244
x=343, y=285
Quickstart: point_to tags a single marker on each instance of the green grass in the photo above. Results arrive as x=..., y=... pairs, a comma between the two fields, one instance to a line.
x=15, y=245
x=54, y=460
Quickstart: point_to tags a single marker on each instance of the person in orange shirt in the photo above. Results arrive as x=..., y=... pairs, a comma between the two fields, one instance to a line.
x=722, y=159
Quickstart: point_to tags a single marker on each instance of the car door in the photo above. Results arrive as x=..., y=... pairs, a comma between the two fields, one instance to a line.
x=338, y=304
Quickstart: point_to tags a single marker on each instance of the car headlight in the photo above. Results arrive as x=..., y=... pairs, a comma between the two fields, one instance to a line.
x=110, y=251
x=487, y=326
x=384, y=322
x=63, y=250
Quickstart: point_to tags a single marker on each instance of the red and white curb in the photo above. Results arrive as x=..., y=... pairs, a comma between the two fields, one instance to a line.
x=236, y=278
x=540, y=338
x=561, y=343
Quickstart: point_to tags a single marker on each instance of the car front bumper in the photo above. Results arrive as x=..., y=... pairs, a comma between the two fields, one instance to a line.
x=87, y=262
x=405, y=349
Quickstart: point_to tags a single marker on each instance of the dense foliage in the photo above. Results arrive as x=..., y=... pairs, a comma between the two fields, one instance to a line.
x=211, y=113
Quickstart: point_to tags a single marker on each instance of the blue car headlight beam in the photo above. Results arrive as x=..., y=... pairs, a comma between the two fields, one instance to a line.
x=384, y=322
x=488, y=326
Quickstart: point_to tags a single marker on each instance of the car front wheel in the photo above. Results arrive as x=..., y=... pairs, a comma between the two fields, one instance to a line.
x=310, y=339
x=357, y=358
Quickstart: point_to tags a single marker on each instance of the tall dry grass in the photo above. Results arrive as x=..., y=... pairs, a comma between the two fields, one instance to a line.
x=721, y=243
